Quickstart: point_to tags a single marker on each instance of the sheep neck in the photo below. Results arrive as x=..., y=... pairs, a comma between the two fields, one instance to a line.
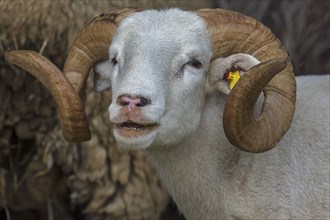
x=188, y=170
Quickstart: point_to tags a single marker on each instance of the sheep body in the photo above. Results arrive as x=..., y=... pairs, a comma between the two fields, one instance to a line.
x=291, y=181
x=208, y=177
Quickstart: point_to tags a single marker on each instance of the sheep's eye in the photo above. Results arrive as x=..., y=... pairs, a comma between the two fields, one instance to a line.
x=192, y=63
x=114, y=61
x=195, y=64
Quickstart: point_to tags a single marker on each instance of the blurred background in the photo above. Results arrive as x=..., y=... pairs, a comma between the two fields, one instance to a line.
x=42, y=176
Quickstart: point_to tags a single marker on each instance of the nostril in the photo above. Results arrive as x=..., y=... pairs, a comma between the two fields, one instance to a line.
x=143, y=102
x=132, y=101
x=123, y=101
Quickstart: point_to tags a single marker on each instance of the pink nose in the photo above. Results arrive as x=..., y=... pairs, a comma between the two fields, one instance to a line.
x=132, y=101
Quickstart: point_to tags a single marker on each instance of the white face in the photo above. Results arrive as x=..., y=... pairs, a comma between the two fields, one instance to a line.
x=158, y=65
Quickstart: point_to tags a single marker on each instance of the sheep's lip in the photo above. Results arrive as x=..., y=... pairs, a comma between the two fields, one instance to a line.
x=133, y=129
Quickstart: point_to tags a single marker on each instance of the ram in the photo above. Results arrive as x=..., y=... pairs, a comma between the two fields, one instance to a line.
x=170, y=97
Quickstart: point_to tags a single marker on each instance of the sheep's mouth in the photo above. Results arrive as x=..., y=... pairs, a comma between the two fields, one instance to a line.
x=133, y=129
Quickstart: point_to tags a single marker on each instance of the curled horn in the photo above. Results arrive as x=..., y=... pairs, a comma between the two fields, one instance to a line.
x=90, y=46
x=72, y=114
x=232, y=33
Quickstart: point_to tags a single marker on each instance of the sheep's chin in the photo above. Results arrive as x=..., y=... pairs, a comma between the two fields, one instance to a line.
x=141, y=142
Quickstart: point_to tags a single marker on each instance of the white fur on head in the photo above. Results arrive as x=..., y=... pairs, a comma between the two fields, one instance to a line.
x=162, y=56
x=152, y=55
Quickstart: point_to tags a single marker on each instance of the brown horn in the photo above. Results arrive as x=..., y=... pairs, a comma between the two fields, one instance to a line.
x=73, y=117
x=231, y=33
x=91, y=45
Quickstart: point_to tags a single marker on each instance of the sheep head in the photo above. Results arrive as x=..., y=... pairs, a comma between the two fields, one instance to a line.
x=153, y=73
x=161, y=66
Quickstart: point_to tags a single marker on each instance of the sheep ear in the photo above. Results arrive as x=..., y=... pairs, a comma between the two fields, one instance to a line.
x=221, y=66
x=102, y=72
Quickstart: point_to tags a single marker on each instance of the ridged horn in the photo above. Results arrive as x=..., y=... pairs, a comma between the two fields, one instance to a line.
x=91, y=45
x=73, y=117
x=231, y=33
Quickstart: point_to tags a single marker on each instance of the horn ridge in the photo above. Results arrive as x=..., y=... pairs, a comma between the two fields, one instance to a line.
x=91, y=45
x=232, y=32
x=72, y=114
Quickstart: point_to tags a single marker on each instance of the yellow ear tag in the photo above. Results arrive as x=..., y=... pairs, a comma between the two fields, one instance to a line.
x=233, y=77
